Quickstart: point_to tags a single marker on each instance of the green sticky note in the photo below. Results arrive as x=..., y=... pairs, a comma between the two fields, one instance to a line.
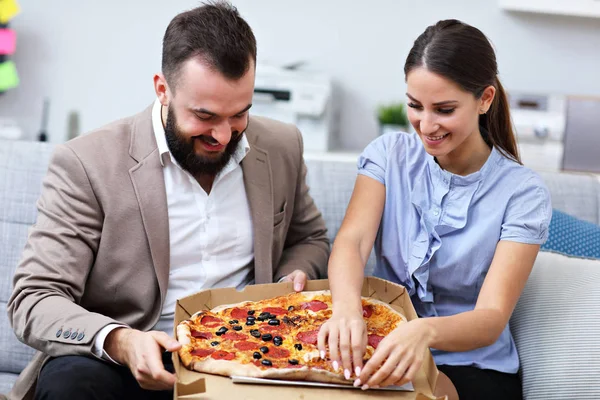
x=8, y=76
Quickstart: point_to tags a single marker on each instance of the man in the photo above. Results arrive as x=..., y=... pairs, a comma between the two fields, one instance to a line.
x=192, y=193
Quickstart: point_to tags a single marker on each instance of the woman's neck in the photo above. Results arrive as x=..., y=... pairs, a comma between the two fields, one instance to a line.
x=467, y=158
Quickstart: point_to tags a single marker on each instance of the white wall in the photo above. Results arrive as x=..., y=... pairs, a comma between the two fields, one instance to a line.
x=98, y=58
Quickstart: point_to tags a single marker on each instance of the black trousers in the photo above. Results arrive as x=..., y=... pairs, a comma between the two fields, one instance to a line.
x=474, y=384
x=78, y=377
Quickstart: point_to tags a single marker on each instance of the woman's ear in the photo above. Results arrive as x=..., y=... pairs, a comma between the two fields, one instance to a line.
x=486, y=99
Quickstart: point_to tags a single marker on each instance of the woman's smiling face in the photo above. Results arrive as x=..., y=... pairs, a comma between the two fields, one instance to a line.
x=445, y=117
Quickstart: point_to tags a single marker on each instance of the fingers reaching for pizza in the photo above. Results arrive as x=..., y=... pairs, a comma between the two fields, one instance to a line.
x=142, y=353
x=298, y=278
x=346, y=334
x=397, y=358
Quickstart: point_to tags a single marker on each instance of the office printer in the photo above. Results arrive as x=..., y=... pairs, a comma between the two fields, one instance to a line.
x=299, y=97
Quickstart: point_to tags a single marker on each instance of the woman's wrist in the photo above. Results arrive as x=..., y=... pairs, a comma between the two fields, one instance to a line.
x=428, y=329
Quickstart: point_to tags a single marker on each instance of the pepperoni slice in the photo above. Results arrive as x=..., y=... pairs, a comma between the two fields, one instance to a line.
x=315, y=305
x=245, y=345
x=275, y=310
x=272, y=328
x=201, y=335
x=278, y=352
x=223, y=355
x=367, y=311
x=202, y=352
x=239, y=313
x=374, y=340
x=308, y=337
x=235, y=336
x=210, y=321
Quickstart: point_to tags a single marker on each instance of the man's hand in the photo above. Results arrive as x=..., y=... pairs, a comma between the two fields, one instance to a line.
x=298, y=278
x=142, y=353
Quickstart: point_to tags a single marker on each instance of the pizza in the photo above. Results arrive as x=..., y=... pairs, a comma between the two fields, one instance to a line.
x=273, y=338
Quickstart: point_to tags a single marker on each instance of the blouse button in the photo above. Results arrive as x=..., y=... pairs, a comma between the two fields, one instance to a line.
x=436, y=212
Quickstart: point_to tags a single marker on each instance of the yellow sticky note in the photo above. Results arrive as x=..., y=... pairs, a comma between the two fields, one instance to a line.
x=8, y=76
x=8, y=9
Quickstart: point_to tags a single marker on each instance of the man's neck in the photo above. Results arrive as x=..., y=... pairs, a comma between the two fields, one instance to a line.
x=206, y=181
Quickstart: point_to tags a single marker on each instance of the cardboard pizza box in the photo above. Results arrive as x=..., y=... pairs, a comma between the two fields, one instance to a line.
x=194, y=385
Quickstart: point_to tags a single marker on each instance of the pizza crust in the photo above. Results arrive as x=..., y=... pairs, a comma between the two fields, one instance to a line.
x=228, y=368
x=183, y=334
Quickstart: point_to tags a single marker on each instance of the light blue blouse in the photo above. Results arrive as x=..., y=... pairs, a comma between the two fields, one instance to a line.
x=439, y=231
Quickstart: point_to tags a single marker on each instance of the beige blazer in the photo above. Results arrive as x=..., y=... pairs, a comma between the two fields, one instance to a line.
x=99, y=251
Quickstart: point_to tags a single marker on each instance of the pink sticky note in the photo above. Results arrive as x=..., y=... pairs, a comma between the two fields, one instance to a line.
x=8, y=41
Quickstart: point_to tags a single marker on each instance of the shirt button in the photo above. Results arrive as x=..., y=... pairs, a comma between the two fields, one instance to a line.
x=436, y=212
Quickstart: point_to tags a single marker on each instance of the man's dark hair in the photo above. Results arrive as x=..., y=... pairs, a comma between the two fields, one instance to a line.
x=216, y=33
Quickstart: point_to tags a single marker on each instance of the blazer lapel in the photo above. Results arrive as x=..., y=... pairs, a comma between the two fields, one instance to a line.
x=149, y=186
x=259, y=189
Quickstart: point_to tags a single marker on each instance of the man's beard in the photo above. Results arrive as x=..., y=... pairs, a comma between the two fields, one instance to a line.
x=182, y=149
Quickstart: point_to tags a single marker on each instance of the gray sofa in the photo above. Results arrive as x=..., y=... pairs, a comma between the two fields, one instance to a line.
x=23, y=166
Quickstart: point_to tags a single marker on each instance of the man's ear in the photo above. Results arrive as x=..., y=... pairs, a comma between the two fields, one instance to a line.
x=163, y=93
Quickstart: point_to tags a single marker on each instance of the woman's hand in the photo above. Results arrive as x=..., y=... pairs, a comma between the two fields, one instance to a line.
x=346, y=334
x=398, y=357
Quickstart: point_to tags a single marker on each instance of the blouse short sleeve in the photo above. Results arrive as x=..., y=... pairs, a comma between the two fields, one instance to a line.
x=528, y=213
x=373, y=160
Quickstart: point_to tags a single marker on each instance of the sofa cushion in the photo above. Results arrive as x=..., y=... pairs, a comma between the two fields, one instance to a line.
x=555, y=326
x=23, y=166
x=571, y=236
x=575, y=194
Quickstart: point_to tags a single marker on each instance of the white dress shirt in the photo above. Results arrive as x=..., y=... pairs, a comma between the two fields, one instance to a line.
x=210, y=235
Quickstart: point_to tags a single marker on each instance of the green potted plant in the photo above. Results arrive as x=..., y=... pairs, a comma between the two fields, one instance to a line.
x=392, y=118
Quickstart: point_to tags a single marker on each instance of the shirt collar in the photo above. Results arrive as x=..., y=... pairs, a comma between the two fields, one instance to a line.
x=243, y=147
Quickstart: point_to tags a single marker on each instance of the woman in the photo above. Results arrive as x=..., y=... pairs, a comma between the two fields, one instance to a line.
x=455, y=218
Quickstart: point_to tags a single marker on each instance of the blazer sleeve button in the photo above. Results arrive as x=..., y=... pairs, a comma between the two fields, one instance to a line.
x=80, y=337
x=58, y=333
x=67, y=334
x=74, y=335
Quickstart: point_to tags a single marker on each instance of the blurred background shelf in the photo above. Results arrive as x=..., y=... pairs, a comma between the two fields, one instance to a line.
x=577, y=8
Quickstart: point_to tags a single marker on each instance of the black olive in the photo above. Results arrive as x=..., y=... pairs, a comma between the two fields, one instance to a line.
x=293, y=362
x=264, y=349
x=250, y=318
x=277, y=341
x=274, y=322
x=291, y=308
x=263, y=314
x=237, y=328
x=261, y=319
x=267, y=336
x=214, y=343
x=250, y=312
x=233, y=322
x=257, y=355
x=267, y=363
x=255, y=333
x=298, y=346
x=271, y=316
x=250, y=322
x=222, y=329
